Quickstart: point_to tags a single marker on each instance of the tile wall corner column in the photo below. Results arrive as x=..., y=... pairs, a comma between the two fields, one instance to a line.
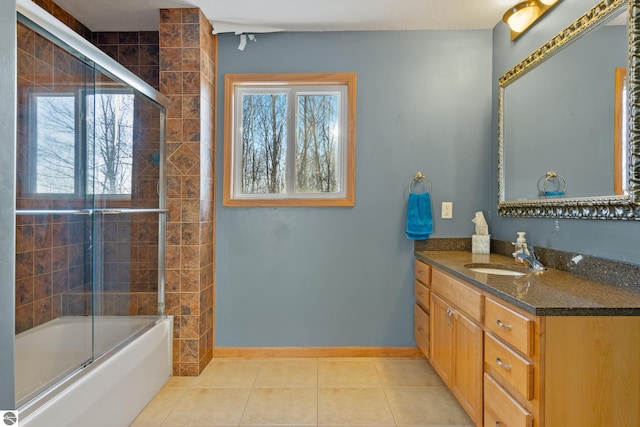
x=188, y=61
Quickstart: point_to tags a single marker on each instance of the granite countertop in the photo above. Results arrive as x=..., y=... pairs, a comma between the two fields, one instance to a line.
x=547, y=293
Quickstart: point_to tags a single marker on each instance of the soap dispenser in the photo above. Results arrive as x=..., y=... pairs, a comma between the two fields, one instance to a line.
x=521, y=247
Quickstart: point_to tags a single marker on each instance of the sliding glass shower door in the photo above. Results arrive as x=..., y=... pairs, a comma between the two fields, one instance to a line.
x=54, y=221
x=90, y=210
x=124, y=152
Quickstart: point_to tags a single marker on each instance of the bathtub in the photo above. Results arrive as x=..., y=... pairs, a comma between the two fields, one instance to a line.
x=108, y=392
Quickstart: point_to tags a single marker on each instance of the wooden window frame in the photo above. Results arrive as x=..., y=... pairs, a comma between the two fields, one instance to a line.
x=232, y=81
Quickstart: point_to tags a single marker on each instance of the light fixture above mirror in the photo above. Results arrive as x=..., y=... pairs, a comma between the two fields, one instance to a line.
x=524, y=14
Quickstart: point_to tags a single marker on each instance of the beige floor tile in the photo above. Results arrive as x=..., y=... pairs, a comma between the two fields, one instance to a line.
x=302, y=392
x=228, y=373
x=288, y=373
x=209, y=407
x=353, y=407
x=181, y=382
x=278, y=406
x=347, y=373
x=157, y=410
x=429, y=406
x=407, y=373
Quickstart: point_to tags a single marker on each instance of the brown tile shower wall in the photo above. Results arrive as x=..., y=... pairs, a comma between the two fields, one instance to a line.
x=136, y=50
x=50, y=267
x=188, y=53
x=65, y=17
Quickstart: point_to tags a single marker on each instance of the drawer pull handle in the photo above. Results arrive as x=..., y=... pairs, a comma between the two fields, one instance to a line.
x=504, y=365
x=503, y=325
x=420, y=329
x=420, y=272
x=420, y=293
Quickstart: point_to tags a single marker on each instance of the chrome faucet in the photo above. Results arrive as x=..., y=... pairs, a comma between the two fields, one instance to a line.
x=531, y=259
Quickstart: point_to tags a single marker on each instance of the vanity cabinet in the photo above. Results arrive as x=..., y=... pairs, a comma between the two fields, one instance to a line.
x=422, y=293
x=422, y=272
x=501, y=409
x=557, y=371
x=457, y=340
x=511, y=368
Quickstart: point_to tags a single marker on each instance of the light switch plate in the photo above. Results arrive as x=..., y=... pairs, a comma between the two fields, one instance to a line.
x=447, y=210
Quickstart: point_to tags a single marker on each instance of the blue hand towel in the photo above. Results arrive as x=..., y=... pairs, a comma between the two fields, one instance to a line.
x=419, y=216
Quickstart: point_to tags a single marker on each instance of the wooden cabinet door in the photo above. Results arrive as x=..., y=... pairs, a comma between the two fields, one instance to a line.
x=441, y=338
x=468, y=359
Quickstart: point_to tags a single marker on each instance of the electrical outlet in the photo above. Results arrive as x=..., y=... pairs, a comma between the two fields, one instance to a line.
x=447, y=210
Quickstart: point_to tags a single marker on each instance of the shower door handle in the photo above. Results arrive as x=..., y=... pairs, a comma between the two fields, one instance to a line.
x=109, y=211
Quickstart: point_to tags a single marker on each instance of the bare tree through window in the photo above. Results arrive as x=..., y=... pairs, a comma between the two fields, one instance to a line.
x=59, y=143
x=264, y=143
x=289, y=139
x=317, y=144
x=56, y=142
x=110, y=143
x=264, y=133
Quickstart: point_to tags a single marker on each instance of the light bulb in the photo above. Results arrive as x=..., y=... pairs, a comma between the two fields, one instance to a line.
x=521, y=19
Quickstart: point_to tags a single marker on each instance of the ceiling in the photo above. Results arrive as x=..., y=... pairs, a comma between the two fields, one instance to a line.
x=254, y=16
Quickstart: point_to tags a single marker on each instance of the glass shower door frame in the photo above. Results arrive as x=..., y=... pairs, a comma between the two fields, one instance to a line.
x=63, y=36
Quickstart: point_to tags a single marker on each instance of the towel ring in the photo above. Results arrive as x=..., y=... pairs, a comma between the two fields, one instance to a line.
x=553, y=176
x=417, y=178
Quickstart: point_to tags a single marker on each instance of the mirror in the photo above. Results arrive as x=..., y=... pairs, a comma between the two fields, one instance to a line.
x=557, y=155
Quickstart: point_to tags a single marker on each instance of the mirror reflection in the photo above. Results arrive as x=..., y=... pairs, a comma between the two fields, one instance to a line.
x=560, y=117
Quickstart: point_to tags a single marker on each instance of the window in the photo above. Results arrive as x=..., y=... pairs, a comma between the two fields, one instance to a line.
x=55, y=144
x=289, y=140
x=110, y=143
x=64, y=145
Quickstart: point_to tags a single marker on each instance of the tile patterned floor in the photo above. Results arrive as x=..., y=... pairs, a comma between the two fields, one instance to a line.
x=306, y=392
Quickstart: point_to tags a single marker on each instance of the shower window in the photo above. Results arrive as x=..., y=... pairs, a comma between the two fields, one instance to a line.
x=55, y=143
x=58, y=149
x=110, y=143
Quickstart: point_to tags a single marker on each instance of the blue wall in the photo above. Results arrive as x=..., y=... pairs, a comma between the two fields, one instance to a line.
x=576, y=118
x=616, y=240
x=344, y=276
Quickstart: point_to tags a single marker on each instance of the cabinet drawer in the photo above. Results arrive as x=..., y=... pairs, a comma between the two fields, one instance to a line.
x=423, y=272
x=462, y=296
x=510, y=326
x=422, y=295
x=507, y=364
x=502, y=410
x=421, y=329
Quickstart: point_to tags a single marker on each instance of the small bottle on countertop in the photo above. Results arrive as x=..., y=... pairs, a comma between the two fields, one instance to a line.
x=521, y=247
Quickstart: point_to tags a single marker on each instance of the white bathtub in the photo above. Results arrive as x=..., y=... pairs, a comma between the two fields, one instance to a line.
x=109, y=392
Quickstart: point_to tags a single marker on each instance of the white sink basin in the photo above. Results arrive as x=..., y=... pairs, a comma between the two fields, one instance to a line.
x=498, y=269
